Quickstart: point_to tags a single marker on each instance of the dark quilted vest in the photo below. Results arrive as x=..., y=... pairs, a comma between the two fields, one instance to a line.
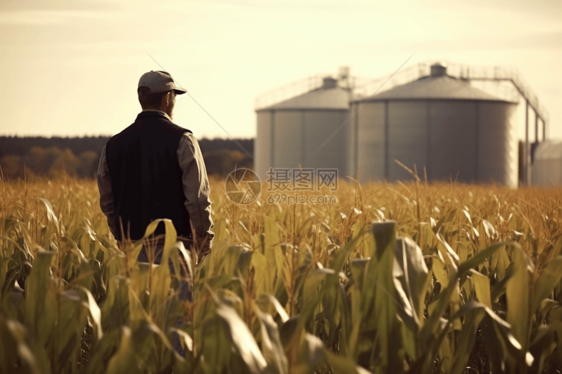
x=146, y=179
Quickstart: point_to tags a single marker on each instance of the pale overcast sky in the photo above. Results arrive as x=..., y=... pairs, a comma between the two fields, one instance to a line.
x=71, y=68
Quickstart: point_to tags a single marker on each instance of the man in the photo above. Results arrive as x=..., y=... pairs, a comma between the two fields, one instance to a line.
x=154, y=169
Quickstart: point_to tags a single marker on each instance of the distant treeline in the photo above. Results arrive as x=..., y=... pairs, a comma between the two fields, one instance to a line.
x=10, y=145
x=51, y=157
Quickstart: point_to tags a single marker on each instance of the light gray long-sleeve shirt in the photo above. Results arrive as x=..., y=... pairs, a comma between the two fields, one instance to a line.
x=195, y=187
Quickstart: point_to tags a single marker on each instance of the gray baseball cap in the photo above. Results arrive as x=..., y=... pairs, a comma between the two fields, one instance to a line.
x=158, y=81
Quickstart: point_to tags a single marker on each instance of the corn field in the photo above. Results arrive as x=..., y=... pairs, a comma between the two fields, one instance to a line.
x=403, y=278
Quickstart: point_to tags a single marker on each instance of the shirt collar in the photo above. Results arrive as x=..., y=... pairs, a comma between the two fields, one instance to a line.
x=160, y=111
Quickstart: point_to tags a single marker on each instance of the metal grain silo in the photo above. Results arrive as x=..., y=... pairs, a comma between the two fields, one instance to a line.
x=290, y=134
x=438, y=123
x=547, y=165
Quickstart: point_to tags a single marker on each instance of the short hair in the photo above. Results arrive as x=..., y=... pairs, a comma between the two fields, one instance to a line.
x=149, y=100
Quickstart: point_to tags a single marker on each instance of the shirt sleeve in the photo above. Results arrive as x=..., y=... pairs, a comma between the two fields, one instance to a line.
x=196, y=187
x=104, y=186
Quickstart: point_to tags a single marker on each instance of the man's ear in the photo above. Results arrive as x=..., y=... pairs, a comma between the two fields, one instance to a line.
x=165, y=100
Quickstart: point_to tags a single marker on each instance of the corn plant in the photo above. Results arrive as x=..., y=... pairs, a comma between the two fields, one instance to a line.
x=405, y=278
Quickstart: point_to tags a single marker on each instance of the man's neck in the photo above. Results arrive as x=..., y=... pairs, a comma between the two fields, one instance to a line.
x=158, y=110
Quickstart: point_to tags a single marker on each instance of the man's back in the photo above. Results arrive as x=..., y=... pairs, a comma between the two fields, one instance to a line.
x=146, y=179
x=155, y=169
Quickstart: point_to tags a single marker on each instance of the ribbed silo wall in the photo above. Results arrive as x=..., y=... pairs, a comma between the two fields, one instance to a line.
x=460, y=140
x=351, y=130
x=366, y=154
x=295, y=138
x=452, y=141
x=262, y=150
x=547, y=172
x=407, y=138
x=552, y=172
x=287, y=138
x=556, y=168
x=539, y=172
x=324, y=146
x=496, y=146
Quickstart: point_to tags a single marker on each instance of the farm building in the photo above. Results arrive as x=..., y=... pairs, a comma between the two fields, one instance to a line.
x=441, y=124
x=547, y=164
x=441, y=120
x=289, y=132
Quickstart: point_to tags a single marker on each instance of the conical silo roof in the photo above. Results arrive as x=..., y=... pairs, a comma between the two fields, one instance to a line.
x=438, y=86
x=329, y=96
